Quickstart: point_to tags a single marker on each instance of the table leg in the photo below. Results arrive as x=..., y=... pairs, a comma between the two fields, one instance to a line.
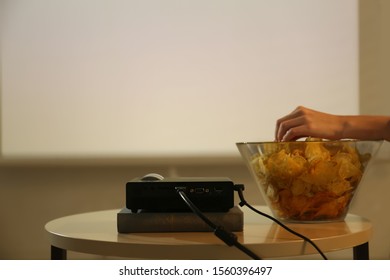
x=58, y=253
x=360, y=252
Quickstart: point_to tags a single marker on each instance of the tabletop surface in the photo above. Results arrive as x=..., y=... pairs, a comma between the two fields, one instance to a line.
x=96, y=233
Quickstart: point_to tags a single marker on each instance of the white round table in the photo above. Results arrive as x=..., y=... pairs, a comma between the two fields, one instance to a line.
x=96, y=233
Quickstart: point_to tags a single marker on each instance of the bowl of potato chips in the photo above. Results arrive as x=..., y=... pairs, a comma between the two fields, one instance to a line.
x=308, y=181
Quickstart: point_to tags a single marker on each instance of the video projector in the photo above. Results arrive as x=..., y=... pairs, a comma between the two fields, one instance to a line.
x=154, y=193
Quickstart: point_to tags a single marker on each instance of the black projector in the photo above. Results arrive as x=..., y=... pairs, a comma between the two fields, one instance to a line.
x=153, y=193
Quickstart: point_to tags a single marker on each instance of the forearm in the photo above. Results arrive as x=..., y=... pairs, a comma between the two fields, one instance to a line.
x=366, y=127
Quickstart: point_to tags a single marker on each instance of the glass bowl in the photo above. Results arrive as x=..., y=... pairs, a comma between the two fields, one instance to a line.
x=308, y=181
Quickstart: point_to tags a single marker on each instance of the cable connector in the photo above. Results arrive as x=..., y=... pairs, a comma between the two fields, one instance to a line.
x=178, y=189
x=239, y=187
x=228, y=237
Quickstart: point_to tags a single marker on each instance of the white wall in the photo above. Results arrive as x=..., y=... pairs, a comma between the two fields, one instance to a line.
x=166, y=77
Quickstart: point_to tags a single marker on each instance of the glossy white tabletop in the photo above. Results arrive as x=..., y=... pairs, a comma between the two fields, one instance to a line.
x=96, y=233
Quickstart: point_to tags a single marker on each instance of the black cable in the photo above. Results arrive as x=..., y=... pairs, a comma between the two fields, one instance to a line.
x=228, y=237
x=243, y=202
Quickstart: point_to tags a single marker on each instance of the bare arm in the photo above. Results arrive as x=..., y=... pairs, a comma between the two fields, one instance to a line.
x=304, y=122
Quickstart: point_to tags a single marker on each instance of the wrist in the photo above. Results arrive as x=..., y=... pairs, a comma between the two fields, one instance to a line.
x=344, y=127
x=365, y=127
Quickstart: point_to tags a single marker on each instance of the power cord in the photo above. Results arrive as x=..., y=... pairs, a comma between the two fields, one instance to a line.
x=228, y=237
x=239, y=188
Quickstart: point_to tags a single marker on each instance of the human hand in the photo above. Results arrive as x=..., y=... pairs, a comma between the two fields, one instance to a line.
x=305, y=122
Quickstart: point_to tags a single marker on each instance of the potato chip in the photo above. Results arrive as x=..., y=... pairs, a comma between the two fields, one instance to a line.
x=339, y=187
x=284, y=165
x=348, y=167
x=316, y=152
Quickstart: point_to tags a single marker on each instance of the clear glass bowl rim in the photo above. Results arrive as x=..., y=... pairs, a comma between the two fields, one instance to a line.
x=306, y=142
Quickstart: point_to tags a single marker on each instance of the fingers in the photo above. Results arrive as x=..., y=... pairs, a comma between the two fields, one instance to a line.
x=286, y=123
x=292, y=129
x=295, y=133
